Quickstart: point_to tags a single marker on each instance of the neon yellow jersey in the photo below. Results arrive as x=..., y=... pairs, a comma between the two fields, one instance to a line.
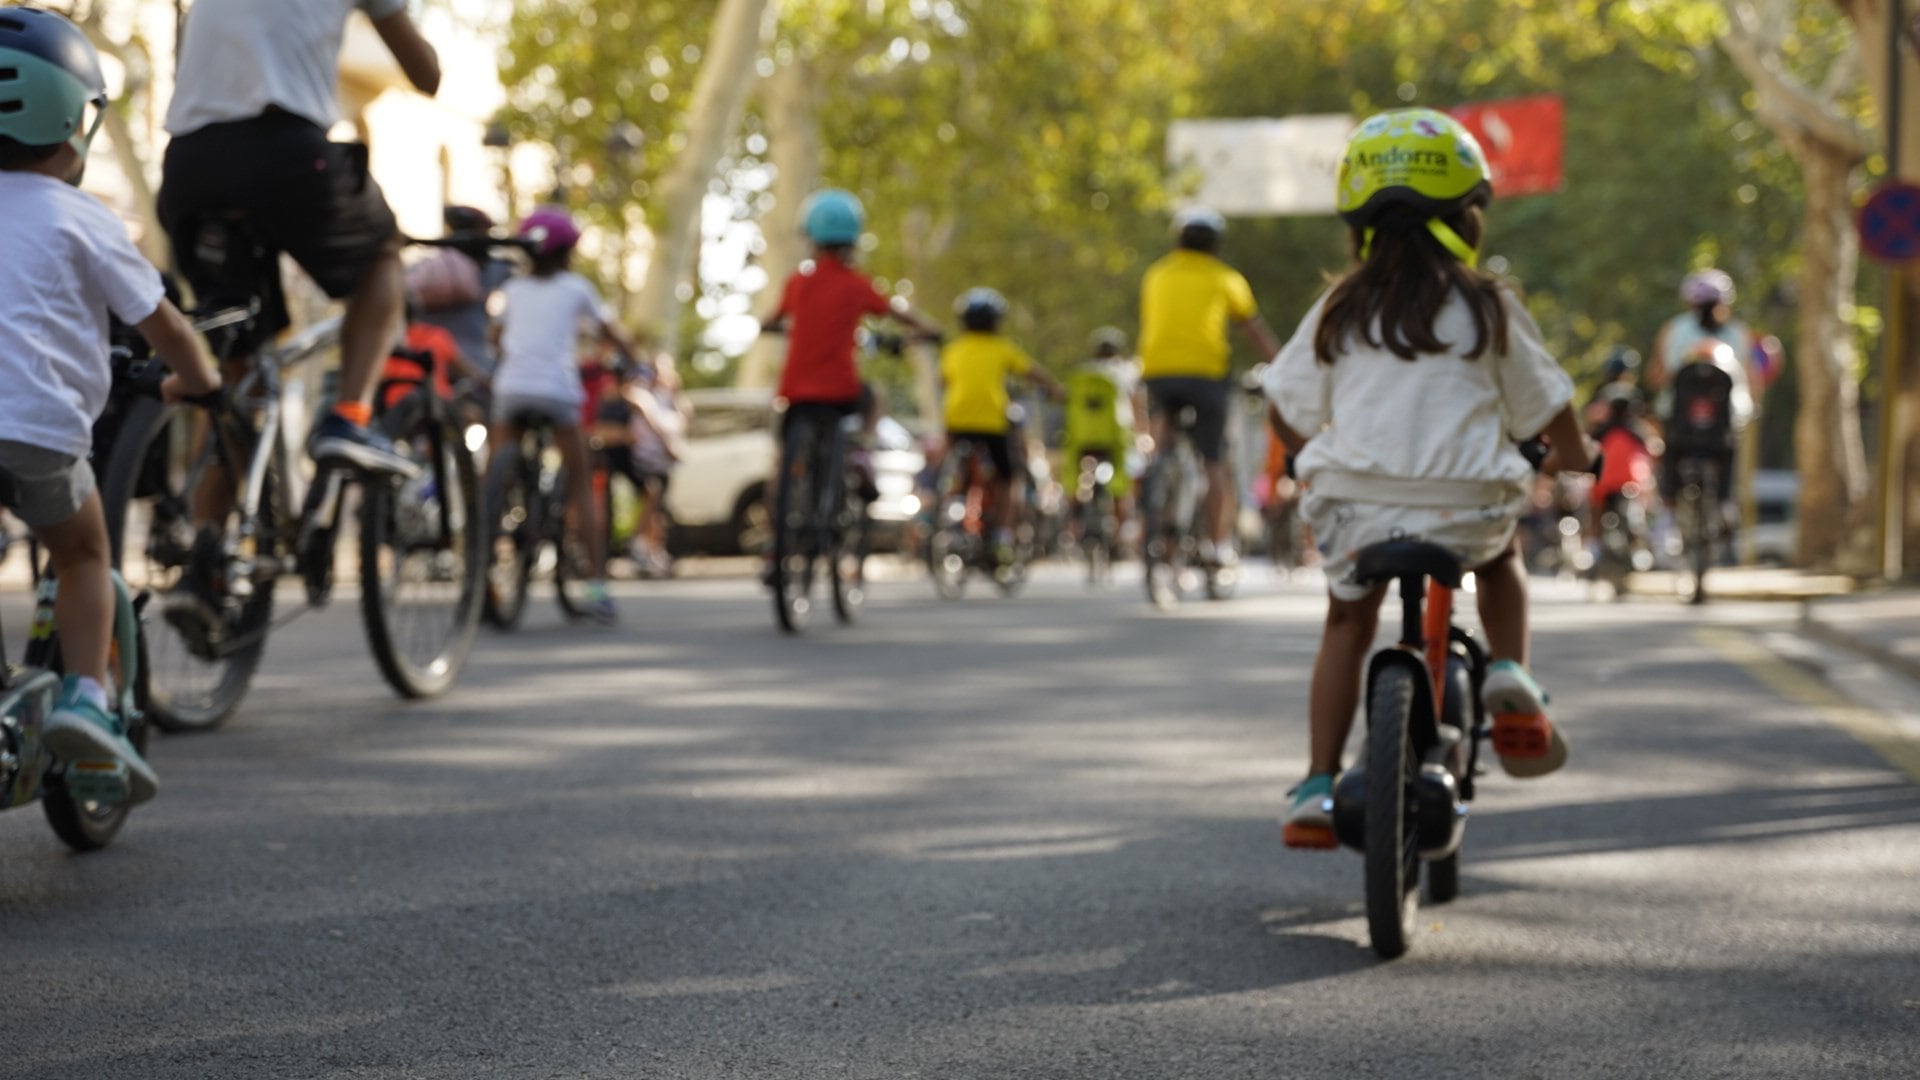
x=1097, y=412
x=1187, y=301
x=975, y=367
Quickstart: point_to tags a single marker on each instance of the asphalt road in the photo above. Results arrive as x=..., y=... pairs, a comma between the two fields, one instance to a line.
x=994, y=838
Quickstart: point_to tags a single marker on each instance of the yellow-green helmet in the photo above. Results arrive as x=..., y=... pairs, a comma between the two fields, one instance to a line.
x=1418, y=158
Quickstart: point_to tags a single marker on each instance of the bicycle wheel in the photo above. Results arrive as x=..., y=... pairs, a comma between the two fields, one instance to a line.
x=422, y=562
x=1392, y=853
x=794, y=534
x=509, y=538
x=86, y=825
x=206, y=644
x=1161, y=548
x=571, y=565
x=853, y=542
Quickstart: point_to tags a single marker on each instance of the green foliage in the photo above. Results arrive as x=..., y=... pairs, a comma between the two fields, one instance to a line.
x=1021, y=145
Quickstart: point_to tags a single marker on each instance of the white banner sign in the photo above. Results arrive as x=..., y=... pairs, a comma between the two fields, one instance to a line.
x=1254, y=168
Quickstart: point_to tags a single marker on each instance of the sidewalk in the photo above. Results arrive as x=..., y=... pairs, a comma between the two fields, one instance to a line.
x=1882, y=626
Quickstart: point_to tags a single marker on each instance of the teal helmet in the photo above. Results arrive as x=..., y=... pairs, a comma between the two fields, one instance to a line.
x=832, y=217
x=49, y=74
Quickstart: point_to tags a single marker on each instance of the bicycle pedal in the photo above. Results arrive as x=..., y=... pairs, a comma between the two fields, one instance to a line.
x=1522, y=735
x=99, y=780
x=1309, y=837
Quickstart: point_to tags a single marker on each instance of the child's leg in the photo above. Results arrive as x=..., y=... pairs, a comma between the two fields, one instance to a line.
x=83, y=609
x=583, y=508
x=1502, y=597
x=1336, y=677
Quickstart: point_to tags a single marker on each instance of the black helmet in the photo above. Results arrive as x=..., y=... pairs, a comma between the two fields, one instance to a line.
x=981, y=308
x=49, y=74
x=1619, y=362
x=1108, y=341
x=466, y=219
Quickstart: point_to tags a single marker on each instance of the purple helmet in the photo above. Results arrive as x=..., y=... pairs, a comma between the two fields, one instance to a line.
x=1704, y=287
x=551, y=229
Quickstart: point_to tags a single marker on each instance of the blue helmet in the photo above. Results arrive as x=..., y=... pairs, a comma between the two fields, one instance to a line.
x=833, y=217
x=49, y=74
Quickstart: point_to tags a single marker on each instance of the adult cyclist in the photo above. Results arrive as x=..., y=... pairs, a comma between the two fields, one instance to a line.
x=1697, y=334
x=249, y=119
x=1188, y=300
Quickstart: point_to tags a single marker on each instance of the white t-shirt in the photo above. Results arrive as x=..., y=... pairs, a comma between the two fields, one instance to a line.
x=541, y=320
x=237, y=57
x=1440, y=416
x=65, y=262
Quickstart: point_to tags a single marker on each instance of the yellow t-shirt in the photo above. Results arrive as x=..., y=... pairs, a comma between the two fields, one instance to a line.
x=974, y=367
x=1187, y=301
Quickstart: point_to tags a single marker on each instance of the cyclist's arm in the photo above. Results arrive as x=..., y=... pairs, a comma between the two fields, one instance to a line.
x=912, y=319
x=611, y=334
x=1656, y=370
x=1260, y=336
x=180, y=349
x=1288, y=437
x=1570, y=450
x=415, y=54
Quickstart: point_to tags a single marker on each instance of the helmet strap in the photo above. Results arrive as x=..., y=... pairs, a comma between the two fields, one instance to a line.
x=1451, y=240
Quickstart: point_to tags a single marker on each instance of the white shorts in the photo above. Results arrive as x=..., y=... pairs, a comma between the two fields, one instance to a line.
x=1341, y=527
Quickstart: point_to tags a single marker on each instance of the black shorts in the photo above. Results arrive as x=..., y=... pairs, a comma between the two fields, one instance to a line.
x=997, y=447
x=301, y=194
x=620, y=461
x=1208, y=400
x=824, y=415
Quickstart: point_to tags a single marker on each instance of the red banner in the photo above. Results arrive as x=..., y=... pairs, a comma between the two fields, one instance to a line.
x=1523, y=139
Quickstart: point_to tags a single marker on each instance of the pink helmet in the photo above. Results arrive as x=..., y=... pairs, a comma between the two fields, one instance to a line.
x=1707, y=287
x=551, y=229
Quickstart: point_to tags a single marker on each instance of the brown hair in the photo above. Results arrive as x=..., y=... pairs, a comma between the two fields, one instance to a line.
x=1402, y=283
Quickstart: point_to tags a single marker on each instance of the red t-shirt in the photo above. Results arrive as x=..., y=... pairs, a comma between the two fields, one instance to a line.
x=823, y=305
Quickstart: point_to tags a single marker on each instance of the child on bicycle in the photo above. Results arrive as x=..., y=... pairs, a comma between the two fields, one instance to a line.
x=821, y=308
x=65, y=263
x=1402, y=394
x=1099, y=417
x=974, y=369
x=541, y=318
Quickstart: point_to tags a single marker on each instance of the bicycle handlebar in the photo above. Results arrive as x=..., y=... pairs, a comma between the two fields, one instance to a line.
x=461, y=243
x=142, y=376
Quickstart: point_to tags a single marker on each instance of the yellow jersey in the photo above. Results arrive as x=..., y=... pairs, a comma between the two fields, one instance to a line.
x=974, y=367
x=1187, y=301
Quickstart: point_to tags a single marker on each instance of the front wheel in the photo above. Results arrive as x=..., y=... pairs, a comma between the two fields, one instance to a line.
x=423, y=563
x=1392, y=853
x=851, y=548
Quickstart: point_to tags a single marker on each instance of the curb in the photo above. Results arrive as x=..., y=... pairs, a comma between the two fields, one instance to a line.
x=1812, y=627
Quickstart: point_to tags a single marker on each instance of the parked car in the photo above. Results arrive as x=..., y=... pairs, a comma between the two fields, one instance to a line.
x=717, y=502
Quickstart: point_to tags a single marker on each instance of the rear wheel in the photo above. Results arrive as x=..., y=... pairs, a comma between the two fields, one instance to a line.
x=422, y=563
x=205, y=643
x=510, y=539
x=795, y=536
x=947, y=551
x=1392, y=852
x=1161, y=547
x=853, y=543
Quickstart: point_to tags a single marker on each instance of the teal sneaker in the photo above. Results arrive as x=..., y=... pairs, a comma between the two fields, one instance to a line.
x=102, y=766
x=599, y=606
x=1308, y=822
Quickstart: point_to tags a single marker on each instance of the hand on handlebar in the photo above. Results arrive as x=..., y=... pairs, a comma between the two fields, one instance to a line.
x=176, y=391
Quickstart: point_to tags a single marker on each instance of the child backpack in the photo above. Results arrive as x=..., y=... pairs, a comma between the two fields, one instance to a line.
x=1701, y=420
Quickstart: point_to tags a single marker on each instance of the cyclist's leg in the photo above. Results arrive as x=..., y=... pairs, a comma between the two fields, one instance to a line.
x=1501, y=594
x=58, y=500
x=368, y=325
x=1335, y=694
x=1210, y=443
x=583, y=509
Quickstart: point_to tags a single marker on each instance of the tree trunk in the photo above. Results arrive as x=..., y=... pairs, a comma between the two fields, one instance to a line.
x=789, y=105
x=719, y=97
x=1827, y=442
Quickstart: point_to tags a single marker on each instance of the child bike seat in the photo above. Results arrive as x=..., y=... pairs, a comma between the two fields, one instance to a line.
x=1391, y=560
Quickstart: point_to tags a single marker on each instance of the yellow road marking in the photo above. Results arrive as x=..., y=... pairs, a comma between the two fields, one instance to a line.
x=1871, y=726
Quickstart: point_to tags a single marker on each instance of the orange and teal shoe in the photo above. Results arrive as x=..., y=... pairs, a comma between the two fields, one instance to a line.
x=1529, y=744
x=1308, y=822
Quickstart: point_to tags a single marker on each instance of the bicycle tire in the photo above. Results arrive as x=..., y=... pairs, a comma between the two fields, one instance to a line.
x=793, y=532
x=429, y=525
x=510, y=547
x=146, y=498
x=570, y=570
x=87, y=826
x=853, y=542
x=1160, y=546
x=1392, y=854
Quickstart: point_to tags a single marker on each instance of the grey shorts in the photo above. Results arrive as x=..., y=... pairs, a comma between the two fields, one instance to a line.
x=529, y=411
x=40, y=486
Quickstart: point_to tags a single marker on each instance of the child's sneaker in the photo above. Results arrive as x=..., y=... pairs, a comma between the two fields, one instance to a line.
x=1308, y=822
x=82, y=734
x=599, y=606
x=1528, y=743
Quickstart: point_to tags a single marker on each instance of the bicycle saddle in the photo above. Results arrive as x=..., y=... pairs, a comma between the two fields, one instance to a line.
x=1391, y=560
